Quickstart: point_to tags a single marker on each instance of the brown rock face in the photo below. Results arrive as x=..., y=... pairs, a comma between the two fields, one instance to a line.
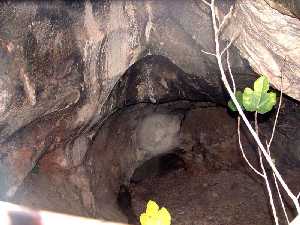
x=67, y=66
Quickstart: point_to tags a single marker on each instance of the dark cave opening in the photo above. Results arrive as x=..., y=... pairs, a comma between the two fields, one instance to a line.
x=166, y=136
x=106, y=105
x=204, y=180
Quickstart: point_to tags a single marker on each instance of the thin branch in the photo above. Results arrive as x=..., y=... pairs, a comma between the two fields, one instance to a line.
x=206, y=3
x=228, y=46
x=208, y=53
x=277, y=114
x=243, y=152
x=281, y=200
x=218, y=19
x=269, y=151
x=268, y=187
x=230, y=72
x=226, y=18
x=265, y=175
x=239, y=119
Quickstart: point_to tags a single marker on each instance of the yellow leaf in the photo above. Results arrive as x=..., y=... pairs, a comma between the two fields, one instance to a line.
x=164, y=216
x=143, y=219
x=152, y=208
x=155, y=216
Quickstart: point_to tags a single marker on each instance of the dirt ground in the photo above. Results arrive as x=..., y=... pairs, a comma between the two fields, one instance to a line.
x=210, y=198
x=51, y=192
x=214, y=188
x=224, y=197
x=218, y=189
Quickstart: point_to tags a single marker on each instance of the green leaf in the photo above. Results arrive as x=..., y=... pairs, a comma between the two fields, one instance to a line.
x=267, y=101
x=259, y=99
x=239, y=98
x=250, y=100
x=261, y=85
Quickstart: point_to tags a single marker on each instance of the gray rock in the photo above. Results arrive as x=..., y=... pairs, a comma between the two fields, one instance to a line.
x=158, y=133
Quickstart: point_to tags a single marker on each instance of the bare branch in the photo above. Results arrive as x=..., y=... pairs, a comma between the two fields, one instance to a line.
x=243, y=152
x=230, y=72
x=281, y=200
x=208, y=53
x=218, y=19
x=271, y=199
x=268, y=149
x=225, y=20
x=228, y=46
x=206, y=3
x=277, y=114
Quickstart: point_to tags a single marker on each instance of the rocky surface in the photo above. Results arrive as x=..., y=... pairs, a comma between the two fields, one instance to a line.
x=261, y=39
x=291, y=7
x=66, y=66
x=216, y=188
x=187, y=171
x=112, y=161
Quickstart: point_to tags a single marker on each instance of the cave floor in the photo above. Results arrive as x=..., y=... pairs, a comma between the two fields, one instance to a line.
x=51, y=192
x=193, y=196
x=219, y=190
x=206, y=198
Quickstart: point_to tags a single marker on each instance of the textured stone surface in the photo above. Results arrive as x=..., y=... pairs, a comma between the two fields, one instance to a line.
x=66, y=66
x=270, y=41
x=76, y=151
x=158, y=133
x=122, y=145
x=290, y=7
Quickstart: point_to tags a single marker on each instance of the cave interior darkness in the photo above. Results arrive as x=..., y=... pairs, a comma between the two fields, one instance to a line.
x=170, y=139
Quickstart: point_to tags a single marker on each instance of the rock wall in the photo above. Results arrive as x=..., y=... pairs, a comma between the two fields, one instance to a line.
x=62, y=66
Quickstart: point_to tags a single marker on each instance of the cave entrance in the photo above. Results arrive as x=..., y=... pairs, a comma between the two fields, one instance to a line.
x=201, y=179
x=166, y=136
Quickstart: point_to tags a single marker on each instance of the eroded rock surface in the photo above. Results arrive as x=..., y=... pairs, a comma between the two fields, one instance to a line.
x=124, y=143
x=66, y=66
